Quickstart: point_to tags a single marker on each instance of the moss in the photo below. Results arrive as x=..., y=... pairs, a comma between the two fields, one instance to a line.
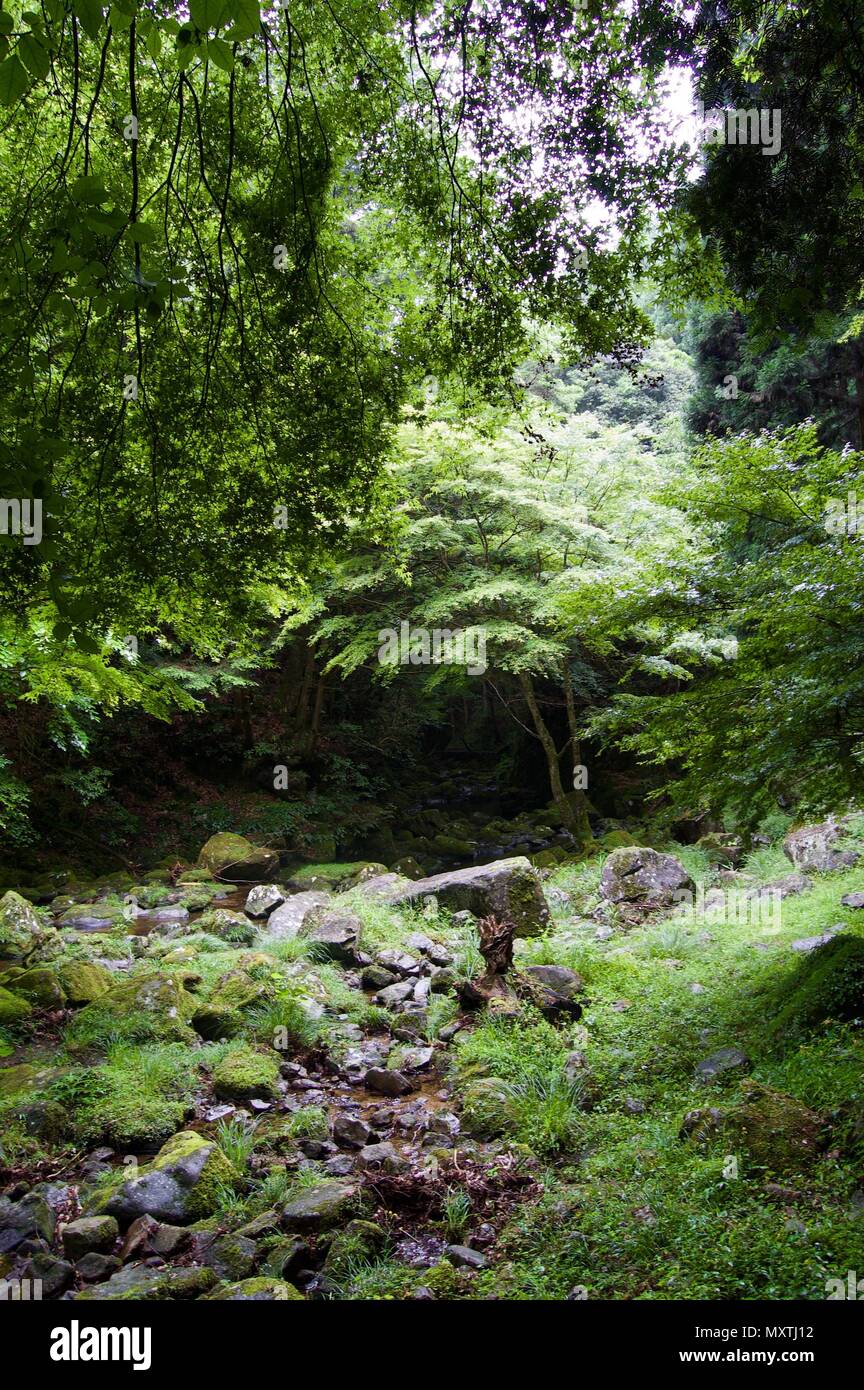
x=237, y=990
x=27, y=1077
x=828, y=984
x=12, y=1007
x=83, y=981
x=259, y=1289
x=142, y=1008
x=242, y=1074
x=39, y=984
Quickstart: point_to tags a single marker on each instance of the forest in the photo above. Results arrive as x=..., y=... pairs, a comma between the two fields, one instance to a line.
x=431, y=651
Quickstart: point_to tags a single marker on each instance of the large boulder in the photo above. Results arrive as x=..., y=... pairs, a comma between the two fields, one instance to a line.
x=335, y=935
x=509, y=889
x=644, y=880
x=21, y=927
x=153, y=1007
x=814, y=848
x=263, y=899
x=236, y=859
x=83, y=981
x=286, y=922
x=181, y=1185
x=776, y=1131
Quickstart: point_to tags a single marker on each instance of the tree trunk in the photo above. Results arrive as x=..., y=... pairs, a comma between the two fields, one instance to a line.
x=568, y=815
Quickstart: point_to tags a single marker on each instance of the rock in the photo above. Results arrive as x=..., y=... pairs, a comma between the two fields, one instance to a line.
x=335, y=936
x=83, y=981
x=148, y=1284
x=243, y=1074
x=410, y=1059
x=263, y=900
x=159, y=997
x=814, y=849
x=360, y=1240
x=776, y=1131
x=805, y=944
x=237, y=990
x=400, y=962
x=54, y=1275
x=463, y=1257
x=785, y=887
x=181, y=1184
x=44, y=1119
x=94, y=1268
x=381, y=1156
x=39, y=985
x=508, y=889
x=21, y=927
x=339, y=1167
x=644, y=879
x=829, y=983
x=394, y=995
x=234, y=859
x=233, y=927
x=555, y=989
x=29, y=1219
x=213, y=1022
x=232, y=1256
x=287, y=1257
x=350, y=1131
x=375, y=977
x=285, y=923
x=726, y=1061
x=320, y=1208
x=89, y=1234
x=381, y=886
x=721, y=849
x=261, y=1289
x=12, y=1007
x=486, y=1108
x=386, y=1083
x=855, y=900
x=336, y=878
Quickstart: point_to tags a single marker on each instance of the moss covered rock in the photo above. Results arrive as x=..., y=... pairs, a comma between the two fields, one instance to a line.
x=236, y=859
x=145, y=1007
x=182, y=1184
x=83, y=981
x=39, y=984
x=22, y=929
x=12, y=1007
x=260, y=1289
x=243, y=1074
x=828, y=984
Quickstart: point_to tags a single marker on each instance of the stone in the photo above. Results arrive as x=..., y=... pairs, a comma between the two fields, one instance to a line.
x=55, y=1275
x=234, y=859
x=508, y=889
x=22, y=929
x=375, y=977
x=286, y=921
x=160, y=997
x=724, y=1062
x=805, y=944
x=776, y=1131
x=89, y=1234
x=394, y=995
x=93, y=1268
x=350, y=1131
x=31, y=1218
x=148, y=1284
x=234, y=927
x=261, y=1289
x=814, y=848
x=83, y=981
x=644, y=879
x=400, y=962
x=463, y=1257
x=382, y=1156
x=233, y=1257
x=386, y=1083
x=182, y=1184
x=39, y=985
x=854, y=900
x=320, y=1208
x=721, y=848
x=335, y=936
x=264, y=899
x=243, y=1074
x=12, y=1007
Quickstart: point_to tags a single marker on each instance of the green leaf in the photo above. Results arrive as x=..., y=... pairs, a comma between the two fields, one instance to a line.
x=246, y=15
x=89, y=189
x=207, y=14
x=34, y=55
x=14, y=80
x=90, y=14
x=6, y=24
x=220, y=53
x=142, y=231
